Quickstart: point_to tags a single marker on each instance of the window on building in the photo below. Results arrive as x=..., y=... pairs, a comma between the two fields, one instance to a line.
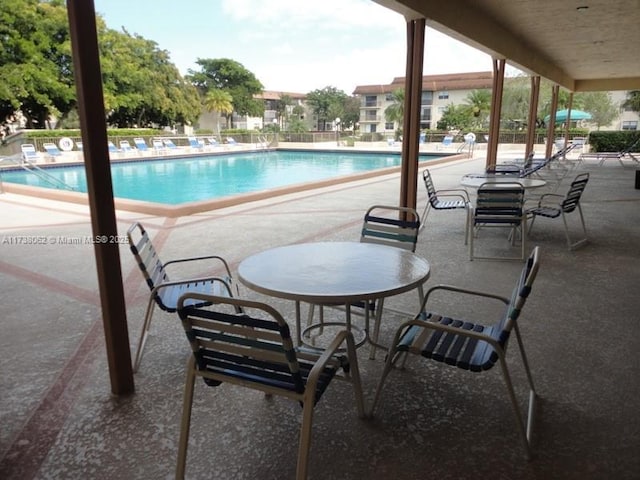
x=388, y=126
x=427, y=98
x=370, y=116
x=630, y=125
x=444, y=95
x=371, y=101
x=389, y=97
x=373, y=128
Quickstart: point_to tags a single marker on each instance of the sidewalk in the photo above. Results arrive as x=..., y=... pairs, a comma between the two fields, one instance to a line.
x=59, y=419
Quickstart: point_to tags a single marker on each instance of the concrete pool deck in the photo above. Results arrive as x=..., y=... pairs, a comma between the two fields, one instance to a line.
x=59, y=419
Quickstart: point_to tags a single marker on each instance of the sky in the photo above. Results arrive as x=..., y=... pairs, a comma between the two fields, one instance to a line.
x=290, y=45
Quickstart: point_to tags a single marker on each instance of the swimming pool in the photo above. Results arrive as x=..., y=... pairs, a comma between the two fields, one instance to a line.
x=191, y=179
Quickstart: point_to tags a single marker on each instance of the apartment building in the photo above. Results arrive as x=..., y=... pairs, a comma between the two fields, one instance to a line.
x=438, y=91
x=272, y=113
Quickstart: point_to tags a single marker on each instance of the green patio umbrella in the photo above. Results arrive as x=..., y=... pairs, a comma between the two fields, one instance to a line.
x=561, y=116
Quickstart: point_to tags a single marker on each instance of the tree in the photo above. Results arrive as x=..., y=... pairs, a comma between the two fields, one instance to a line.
x=395, y=112
x=603, y=111
x=232, y=77
x=479, y=102
x=515, y=101
x=455, y=117
x=327, y=104
x=220, y=102
x=35, y=60
x=297, y=125
x=633, y=100
x=282, y=109
x=297, y=122
x=351, y=112
x=141, y=86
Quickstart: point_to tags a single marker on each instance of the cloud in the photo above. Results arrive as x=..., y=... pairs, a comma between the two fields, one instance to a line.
x=296, y=14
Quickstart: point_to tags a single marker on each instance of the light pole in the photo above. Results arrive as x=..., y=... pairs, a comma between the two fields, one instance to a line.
x=337, y=123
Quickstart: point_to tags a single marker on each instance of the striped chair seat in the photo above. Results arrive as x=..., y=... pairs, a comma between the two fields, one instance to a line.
x=546, y=211
x=253, y=349
x=452, y=348
x=449, y=204
x=166, y=292
x=468, y=345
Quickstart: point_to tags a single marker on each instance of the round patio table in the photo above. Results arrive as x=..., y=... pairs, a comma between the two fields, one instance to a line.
x=333, y=273
x=475, y=181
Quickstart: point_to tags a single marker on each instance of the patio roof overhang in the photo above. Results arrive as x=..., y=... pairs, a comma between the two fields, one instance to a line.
x=580, y=45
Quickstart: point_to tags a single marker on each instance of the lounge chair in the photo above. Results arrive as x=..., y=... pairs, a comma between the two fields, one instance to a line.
x=231, y=141
x=126, y=147
x=112, y=147
x=52, y=151
x=158, y=147
x=601, y=157
x=79, y=146
x=454, y=340
x=196, y=144
x=165, y=292
x=29, y=152
x=141, y=145
x=213, y=142
x=169, y=144
x=447, y=141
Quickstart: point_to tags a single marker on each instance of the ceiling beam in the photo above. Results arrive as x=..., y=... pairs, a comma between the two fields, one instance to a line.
x=462, y=20
x=607, y=84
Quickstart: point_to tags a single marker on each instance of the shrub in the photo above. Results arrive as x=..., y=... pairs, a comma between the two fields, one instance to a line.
x=611, y=141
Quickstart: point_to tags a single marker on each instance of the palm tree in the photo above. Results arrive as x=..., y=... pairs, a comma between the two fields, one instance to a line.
x=479, y=102
x=395, y=111
x=282, y=107
x=220, y=102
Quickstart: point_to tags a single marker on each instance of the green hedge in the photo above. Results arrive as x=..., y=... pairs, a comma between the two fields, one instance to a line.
x=111, y=132
x=612, y=141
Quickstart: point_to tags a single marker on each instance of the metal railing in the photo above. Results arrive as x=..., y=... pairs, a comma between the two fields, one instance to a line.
x=44, y=175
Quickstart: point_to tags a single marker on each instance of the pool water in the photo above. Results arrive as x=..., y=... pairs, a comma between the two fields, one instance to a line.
x=175, y=181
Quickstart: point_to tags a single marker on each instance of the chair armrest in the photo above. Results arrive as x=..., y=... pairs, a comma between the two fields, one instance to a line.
x=329, y=352
x=466, y=291
x=192, y=280
x=546, y=196
x=454, y=192
x=206, y=257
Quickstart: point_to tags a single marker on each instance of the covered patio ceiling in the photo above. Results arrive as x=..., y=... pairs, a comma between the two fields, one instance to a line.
x=582, y=45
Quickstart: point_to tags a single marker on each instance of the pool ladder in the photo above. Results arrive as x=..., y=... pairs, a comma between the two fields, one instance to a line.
x=44, y=176
x=262, y=142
